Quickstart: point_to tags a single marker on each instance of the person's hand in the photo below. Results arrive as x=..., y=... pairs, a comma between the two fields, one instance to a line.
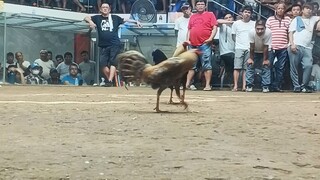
x=250, y=61
x=293, y=48
x=266, y=62
x=208, y=41
x=92, y=25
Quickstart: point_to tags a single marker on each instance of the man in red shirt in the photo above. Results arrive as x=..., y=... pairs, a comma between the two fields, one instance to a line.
x=201, y=30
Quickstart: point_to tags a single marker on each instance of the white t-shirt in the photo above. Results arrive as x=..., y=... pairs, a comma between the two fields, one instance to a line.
x=241, y=30
x=46, y=66
x=316, y=72
x=304, y=37
x=260, y=41
x=226, y=43
x=181, y=25
x=63, y=69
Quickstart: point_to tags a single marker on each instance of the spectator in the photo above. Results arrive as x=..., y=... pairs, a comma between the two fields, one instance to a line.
x=226, y=43
x=35, y=75
x=73, y=78
x=300, y=50
x=88, y=68
x=201, y=30
x=59, y=59
x=294, y=11
x=315, y=8
x=107, y=26
x=260, y=40
x=54, y=77
x=45, y=63
x=279, y=26
x=14, y=74
x=240, y=34
x=181, y=24
x=22, y=64
x=63, y=68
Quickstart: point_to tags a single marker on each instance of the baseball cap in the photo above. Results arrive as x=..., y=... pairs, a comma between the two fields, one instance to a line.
x=185, y=5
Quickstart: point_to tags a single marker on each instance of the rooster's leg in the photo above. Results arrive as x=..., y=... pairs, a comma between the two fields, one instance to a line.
x=170, y=100
x=158, y=98
x=183, y=96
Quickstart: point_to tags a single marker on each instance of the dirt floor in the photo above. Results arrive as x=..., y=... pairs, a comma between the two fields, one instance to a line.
x=111, y=133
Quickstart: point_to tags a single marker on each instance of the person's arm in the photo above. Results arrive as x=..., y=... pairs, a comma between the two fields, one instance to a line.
x=223, y=21
x=291, y=40
x=213, y=33
x=251, y=54
x=91, y=23
x=133, y=21
x=265, y=55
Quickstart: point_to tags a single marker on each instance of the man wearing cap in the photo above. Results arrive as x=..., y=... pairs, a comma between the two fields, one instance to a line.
x=45, y=63
x=181, y=24
x=202, y=28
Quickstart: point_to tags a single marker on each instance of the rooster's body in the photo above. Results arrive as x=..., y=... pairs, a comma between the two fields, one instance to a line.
x=133, y=67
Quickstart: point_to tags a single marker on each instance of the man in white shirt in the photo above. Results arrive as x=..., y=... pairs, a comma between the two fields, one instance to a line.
x=45, y=63
x=300, y=50
x=260, y=40
x=240, y=31
x=181, y=24
x=63, y=68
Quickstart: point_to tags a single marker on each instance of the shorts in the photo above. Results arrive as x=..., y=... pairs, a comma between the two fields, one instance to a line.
x=241, y=57
x=205, y=58
x=108, y=56
x=228, y=61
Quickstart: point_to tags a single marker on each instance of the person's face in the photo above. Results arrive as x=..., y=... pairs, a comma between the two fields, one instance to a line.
x=55, y=75
x=85, y=56
x=43, y=56
x=246, y=15
x=105, y=9
x=186, y=11
x=19, y=57
x=68, y=58
x=260, y=29
x=200, y=6
x=50, y=56
x=59, y=60
x=73, y=71
x=307, y=11
x=10, y=59
x=296, y=11
x=228, y=17
x=280, y=10
x=315, y=8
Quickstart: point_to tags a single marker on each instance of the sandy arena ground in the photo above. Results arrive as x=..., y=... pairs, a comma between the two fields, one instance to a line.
x=111, y=133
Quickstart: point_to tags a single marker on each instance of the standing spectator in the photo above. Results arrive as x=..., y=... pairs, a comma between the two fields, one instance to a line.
x=45, y=63
x=88, y=68
x=181, y=24
x=22, y=64
x=226, y=43
x=107, y=26
x=295, y=11
x=201, y=30
x=315, y=8
x=240, y=34
x=73, y=78
x=63, y=68
x=260, y=40
x=300, y=50
x=279, y=26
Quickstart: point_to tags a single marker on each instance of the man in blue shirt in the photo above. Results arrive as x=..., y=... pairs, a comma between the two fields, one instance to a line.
x=73, y=78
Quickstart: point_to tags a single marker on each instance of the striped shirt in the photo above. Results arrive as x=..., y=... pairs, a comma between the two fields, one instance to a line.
x=279, y=30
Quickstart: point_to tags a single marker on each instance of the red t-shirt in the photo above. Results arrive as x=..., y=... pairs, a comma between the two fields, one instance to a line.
x=200, y=27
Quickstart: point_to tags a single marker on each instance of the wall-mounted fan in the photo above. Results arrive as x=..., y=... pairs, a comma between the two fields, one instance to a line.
x=144, y=11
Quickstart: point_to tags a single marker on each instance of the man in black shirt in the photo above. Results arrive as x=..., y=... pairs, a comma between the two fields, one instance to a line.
x=107, y=26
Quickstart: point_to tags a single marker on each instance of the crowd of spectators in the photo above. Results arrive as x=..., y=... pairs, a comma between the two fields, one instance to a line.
x=60, y=71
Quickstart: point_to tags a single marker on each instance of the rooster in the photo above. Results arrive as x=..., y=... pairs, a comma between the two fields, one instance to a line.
x=133, y=66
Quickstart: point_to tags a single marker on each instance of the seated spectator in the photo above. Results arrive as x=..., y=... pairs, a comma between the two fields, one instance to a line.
x=35, y=75
x=63, y=68
x=14, y=74
x=88, y=68
x=73, y=78
x=45, y=63
x=54, y=77
x=22, y=64
x=59, y=59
